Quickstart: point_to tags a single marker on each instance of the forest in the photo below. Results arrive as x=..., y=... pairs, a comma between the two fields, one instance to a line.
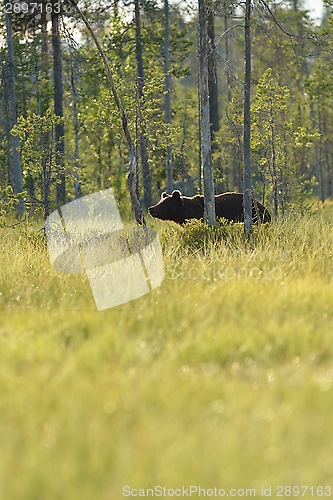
x=59, y=112
x=218, y=381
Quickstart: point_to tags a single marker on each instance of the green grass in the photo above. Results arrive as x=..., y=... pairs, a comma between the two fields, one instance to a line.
x=222, y=377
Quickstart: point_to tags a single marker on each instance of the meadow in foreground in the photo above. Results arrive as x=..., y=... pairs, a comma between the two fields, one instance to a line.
x=222, y=377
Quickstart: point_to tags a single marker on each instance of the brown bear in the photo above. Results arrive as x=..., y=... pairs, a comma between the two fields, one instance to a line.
x=178, y=208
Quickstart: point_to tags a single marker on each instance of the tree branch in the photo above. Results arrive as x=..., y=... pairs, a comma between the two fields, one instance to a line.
x=290, y=35
x=137, y=209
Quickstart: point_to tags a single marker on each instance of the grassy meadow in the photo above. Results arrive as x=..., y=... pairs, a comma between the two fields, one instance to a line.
x=220, y=378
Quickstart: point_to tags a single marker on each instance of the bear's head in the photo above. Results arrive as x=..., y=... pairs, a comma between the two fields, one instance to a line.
x=170, y=207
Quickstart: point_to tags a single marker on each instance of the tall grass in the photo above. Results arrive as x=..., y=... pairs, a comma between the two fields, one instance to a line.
x=222, y=377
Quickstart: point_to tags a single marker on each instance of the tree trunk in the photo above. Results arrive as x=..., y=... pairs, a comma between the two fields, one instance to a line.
x=44, y=58
x=227, y=54
x=247, y=121
x=143, y=139
x=320, y=160
x=58, y=108
x=209, y=203
x=47, y=185
x=200, y=172
x=327, y=157
x=274, y=168
x=23, y=88
x=6, y=122
x=77, y=185
x=167, y=103
x=16, y=174
x=212, y=73
x=42, y=104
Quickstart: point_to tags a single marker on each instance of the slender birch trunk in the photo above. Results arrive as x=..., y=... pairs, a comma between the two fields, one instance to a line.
x=16, y=174
x=247, y=121
x=58, y=108
x=77, y=185
x=274, y=168
x=320, y=160
x=143, y=139
x=212, y=72
x=6, y=123
x=209, y=203
x=167, y=103
x=227, y=55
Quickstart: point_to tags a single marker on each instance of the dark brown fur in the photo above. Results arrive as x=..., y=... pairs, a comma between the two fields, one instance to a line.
x=178, y=208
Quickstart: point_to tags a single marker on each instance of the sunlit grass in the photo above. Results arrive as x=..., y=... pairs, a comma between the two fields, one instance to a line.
x=222, y=377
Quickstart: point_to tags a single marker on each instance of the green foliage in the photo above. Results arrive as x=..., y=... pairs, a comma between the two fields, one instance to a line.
x=38, y=151
x=199, y=236
x=103, y=151
x=274, y=139
x=39, y=163
x=319, y=88
x=31, y=131
x=271, y=99
x=300, y=67
x=8, y=202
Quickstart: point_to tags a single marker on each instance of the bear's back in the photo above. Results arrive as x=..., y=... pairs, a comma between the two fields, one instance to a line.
x=230, y=206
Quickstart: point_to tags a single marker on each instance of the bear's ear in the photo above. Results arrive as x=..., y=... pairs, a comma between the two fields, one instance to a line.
x=176, y=193
x=164, y=195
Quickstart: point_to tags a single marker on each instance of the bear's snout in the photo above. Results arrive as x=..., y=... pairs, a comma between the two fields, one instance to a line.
x=151, y=211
